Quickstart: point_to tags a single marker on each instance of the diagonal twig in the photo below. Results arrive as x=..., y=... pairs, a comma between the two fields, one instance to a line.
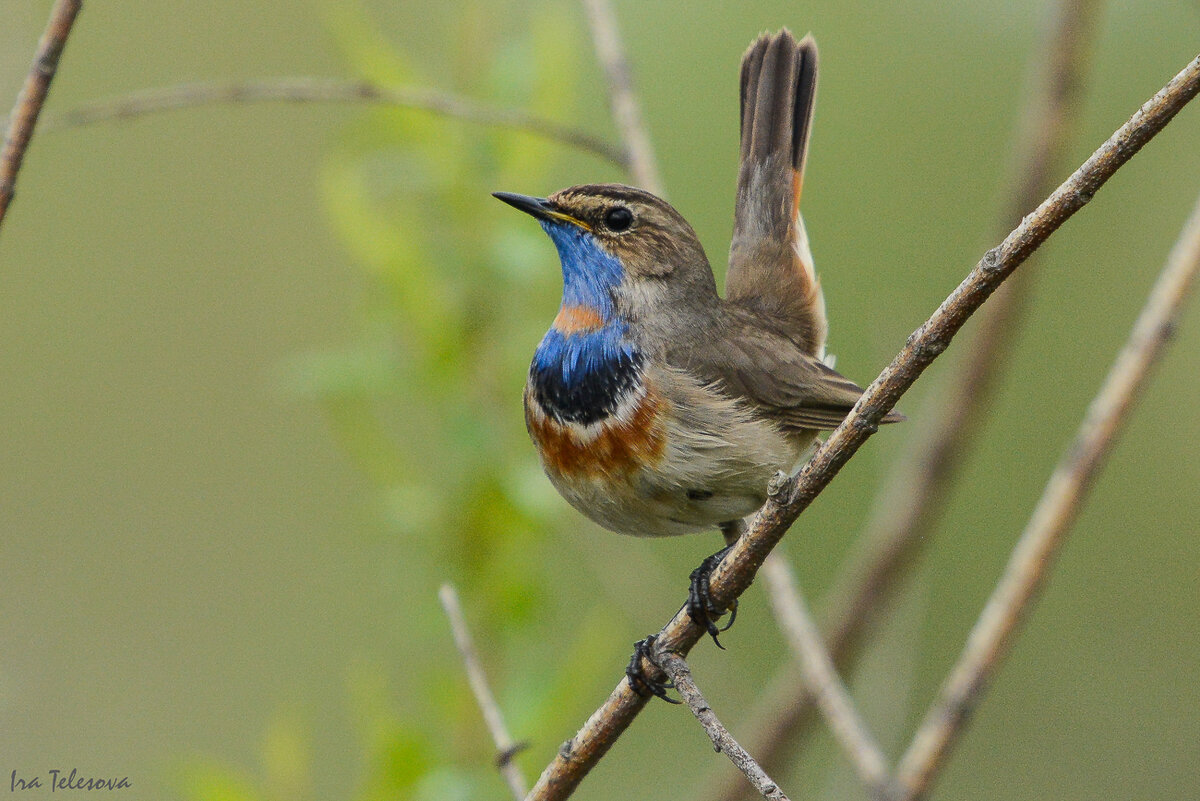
x=681, y=676
x=916, y=490
x=335, y=90
x=915, y=495
x=820, y=674
x=33, y=95
x=626, y=110
x=787, y=499
x=1052, y=518
x=506, y=748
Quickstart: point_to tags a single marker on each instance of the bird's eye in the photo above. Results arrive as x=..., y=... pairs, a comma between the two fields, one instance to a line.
x=618, y=219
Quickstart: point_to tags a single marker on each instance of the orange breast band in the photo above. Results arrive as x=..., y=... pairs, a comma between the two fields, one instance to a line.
x=618, y=446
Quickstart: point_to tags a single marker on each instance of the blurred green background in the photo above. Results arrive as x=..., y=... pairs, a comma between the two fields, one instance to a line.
x=260, y=395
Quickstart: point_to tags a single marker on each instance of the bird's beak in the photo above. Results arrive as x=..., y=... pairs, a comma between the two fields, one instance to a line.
x=539, y=207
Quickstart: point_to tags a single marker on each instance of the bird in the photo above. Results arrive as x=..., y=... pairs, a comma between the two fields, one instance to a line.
x=657, y=407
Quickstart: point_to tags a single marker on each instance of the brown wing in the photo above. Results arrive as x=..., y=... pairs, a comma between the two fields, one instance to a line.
x=775, y=377
x=770, y=265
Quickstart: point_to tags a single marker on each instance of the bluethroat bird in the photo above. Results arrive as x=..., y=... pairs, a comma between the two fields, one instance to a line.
x=657, y=407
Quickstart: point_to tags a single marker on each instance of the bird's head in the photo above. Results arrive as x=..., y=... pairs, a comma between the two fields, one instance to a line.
x=626, y=254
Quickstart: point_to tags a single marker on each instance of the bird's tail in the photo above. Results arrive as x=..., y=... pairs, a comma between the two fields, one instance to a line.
x=770, y=264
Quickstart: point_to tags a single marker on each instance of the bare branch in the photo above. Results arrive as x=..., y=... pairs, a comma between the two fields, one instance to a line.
x=735, y=573
x=33, y=95
x=847, y=725
x=627, y=111
x=506, y=749
x=335, y=90
x=1056, y=511
x=681, y=675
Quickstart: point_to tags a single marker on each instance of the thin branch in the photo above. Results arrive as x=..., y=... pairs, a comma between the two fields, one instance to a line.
x=335, y=90
x=785, y=707
x=788, y=498
x=820, y=674
x=33, y=95
x=681, y=675
x=627, y=111
x=1056, y=511
x=506, y=748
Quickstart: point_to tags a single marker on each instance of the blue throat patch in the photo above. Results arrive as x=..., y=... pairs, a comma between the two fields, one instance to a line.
x=581, y=377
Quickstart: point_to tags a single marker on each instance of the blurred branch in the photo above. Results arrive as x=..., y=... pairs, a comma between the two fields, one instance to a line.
x=506, y=749
x=681, y=675
x=335, y=90
x=788, y=498
x=33, y=95
x=820, y=674
x=916, y=490
x=1056, y=511
x=627, y=111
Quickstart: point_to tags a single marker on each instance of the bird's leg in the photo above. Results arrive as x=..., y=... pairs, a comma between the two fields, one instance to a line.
x=642, y=684
x=700, y=605
x=732, y=531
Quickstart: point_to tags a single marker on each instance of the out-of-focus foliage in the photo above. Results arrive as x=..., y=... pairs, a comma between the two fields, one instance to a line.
x=426, y=399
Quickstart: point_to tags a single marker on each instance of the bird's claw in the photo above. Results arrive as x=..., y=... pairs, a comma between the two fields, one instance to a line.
x=700, y=606
x=642, y=684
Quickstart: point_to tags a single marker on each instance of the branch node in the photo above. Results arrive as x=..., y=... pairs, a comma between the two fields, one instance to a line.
x=779, y=485
x=862, y=424
x=925, y=349
x=991, y=263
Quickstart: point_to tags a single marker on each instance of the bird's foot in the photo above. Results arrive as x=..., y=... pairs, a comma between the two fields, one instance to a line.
x=700, y=606
x=642, y=684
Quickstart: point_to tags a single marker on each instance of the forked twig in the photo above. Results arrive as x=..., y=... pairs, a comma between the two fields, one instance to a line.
x=821, y=676
x=506, y=748
x=681, y=675
x=626, y=110
x=335, y=90
x=33, y=95
x=1052, y=518
x=788, y=499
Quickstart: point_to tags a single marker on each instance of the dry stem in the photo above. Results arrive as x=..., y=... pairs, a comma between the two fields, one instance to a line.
x=33, y=95
x=681, y=675
x=821, y=676
x=505, y=747
x=335, y=90
x=627, y=112
x=737, y=571
x=1051, y=520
